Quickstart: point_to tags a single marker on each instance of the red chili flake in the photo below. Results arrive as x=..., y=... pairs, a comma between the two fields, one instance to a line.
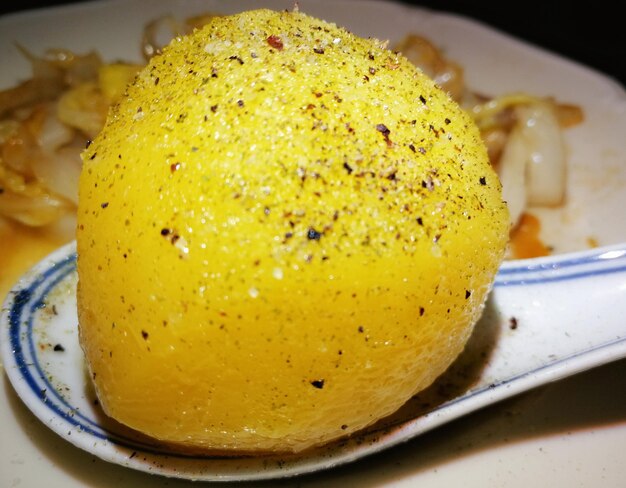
x=175, y=167
x=318, y=50
x=104, y=205
x=513, y=323
x=276, y=42
x=144, y=334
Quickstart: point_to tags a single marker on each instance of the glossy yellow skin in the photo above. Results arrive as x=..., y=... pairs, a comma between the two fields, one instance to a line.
x=285, y=232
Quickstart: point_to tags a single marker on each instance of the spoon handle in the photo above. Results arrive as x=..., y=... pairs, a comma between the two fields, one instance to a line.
x=557, y=316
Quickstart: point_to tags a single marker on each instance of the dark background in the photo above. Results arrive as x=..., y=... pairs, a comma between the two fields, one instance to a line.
x=592, y=33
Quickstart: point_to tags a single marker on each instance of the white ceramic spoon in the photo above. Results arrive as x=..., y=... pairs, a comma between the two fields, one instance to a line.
x=546, y=319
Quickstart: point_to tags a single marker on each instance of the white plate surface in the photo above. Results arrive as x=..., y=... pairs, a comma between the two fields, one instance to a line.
x=568, y=432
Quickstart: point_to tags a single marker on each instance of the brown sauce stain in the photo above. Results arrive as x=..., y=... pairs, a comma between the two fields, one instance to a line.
x=525, y=239
x=21, y=247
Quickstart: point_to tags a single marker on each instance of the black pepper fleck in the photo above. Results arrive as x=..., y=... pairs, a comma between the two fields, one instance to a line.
x=313, y=234
x=382, y=128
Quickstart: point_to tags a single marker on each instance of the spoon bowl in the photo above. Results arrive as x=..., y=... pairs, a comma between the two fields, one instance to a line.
x=546, y=319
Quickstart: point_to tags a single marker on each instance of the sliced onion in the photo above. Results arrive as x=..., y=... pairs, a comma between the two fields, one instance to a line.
x=52, y=133
x=59, y=171
x=84, y=108
x=153, y=39
x=426, y=56
x=512, y=172
x=546, y=161
x=32, y=210
x=19, y=150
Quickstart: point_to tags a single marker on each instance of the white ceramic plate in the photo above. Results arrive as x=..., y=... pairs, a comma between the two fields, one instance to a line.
x=595, y=209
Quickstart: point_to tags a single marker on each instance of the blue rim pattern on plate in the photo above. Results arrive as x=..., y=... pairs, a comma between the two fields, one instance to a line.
x=595, y=263
x=25, y=304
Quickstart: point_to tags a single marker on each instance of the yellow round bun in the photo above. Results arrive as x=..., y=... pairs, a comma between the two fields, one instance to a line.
x=284, y=232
